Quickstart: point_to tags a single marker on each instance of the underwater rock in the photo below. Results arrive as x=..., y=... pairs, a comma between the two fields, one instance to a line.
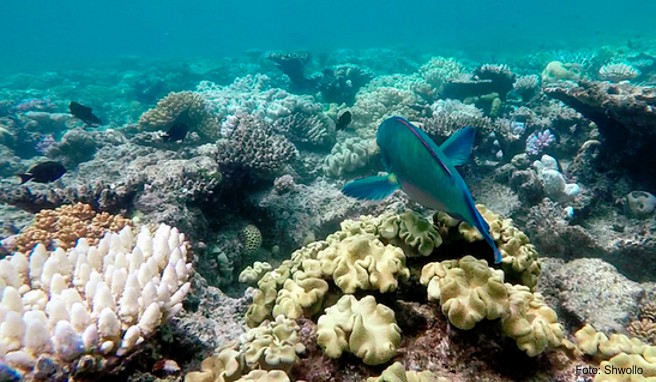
x=625, y=115
x=595, y=293
x=640, y=203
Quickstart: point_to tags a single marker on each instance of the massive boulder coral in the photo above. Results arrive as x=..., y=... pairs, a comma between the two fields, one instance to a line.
x=185, y=107
x=253, y=146
x=84, y=309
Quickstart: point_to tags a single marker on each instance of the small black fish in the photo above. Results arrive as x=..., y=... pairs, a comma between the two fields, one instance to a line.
x=84, y=113
x=343, y=120
x=177, y=132
x=44, y=172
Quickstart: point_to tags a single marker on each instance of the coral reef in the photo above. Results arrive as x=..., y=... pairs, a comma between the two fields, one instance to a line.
x=82, y=310
x=252, y=147
x=185, y=107
x=624, y=114
x=63, y=226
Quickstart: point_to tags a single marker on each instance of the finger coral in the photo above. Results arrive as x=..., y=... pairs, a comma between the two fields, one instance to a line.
x=61, y=227
x=91, y=302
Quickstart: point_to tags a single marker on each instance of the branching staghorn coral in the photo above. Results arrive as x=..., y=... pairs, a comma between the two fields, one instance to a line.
x=185, y=107
x=81, y=311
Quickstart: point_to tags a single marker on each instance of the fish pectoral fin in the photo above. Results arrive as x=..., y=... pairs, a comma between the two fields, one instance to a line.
x=458, y=147
x=371, y=188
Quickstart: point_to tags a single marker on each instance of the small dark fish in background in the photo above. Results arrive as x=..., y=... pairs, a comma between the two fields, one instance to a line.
x=177, y=132
x=44, y=172
x=84, y=113
x=343, y=120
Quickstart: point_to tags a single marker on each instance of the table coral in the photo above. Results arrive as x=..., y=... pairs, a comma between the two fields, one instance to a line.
x=61, y=227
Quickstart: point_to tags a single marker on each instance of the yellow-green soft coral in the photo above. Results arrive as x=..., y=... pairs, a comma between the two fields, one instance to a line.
x=412, y=230
x=363, y=262
x=253, y=274
x=532, y=324
x=641, y=367
x=272, y=281
x=303, y=294
x=396, y=373
x=598, y=344
x=271, y=346
x=223, y=367
x=468, y=290
x=265, y=376
x=364, y=328
x=519, y=257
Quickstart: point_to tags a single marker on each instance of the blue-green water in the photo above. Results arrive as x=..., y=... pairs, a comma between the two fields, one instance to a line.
x=44, y=35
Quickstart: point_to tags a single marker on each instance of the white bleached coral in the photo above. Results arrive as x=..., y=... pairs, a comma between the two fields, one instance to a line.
x=90, y=300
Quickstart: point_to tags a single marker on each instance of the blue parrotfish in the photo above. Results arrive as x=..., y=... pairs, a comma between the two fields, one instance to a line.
x=425, y=171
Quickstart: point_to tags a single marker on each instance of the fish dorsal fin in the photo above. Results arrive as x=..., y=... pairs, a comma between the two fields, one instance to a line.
x=425, y=140
x=458, y=147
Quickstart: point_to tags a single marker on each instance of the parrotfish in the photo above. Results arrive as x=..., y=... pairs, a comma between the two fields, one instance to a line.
x=425, y=172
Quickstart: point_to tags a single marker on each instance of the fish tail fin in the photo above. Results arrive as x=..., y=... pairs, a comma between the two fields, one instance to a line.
x=497, y=255
x=484, y=229
x=458, y=147
x=371, y=188
x=24, y=177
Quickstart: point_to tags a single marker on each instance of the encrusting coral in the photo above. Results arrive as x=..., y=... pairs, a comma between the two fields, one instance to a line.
x=185, y=107
x=86, y=308
x=61, y=227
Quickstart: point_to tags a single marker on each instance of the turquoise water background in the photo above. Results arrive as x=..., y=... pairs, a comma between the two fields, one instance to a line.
x=49, y=34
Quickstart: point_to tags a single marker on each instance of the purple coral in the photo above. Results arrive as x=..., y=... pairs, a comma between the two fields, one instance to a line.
x=538, y=141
